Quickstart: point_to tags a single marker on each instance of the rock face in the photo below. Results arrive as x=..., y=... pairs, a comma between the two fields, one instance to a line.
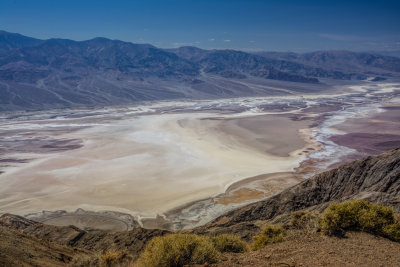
x=376, y=179
x=133, y=241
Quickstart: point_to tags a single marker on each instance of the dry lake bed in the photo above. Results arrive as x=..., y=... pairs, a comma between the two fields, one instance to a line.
x=178, y=164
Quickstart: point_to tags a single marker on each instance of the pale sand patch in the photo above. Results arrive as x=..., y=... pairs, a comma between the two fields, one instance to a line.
x=258, y=187
x=95, y=222
x=148, y=165
x=241, y=195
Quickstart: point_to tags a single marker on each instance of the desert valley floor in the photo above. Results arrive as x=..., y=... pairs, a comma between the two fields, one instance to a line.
x=178, y=164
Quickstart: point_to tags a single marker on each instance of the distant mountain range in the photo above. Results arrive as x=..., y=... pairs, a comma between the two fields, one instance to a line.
x=58, y=73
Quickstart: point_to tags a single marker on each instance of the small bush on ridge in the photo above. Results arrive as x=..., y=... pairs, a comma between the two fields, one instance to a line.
x=303, y=220
x=358, y=215
x=393, y=231
x=229, y=243
x=270, y=234
x=189, y=249
x=178, y=250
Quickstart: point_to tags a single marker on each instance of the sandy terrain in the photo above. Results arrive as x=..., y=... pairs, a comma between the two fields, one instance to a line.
x=131, y=165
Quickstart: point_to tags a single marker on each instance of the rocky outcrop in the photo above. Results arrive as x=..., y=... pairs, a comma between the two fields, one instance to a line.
x=376, y=179
x=20, y=249
x=133, y=241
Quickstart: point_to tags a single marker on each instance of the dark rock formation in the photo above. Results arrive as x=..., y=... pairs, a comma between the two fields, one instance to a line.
x=376, y=179
x=97, y=240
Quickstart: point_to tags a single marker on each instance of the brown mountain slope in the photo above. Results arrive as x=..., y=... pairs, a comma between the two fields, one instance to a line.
x=376, y=179
x=19, y=249
x=315, y=249
x=132, y=241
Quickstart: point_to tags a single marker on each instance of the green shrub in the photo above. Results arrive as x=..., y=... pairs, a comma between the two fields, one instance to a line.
x=303, y=220
x=270, y=234
x=179, y=250
x=393, y=231
x=229, y=243
x=356, y=215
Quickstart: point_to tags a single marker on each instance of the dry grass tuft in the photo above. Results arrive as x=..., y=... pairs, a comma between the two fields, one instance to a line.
x=304, y=220
x=270, y=234
x=229, y=243
x=360, y=215
x=179, y=250
x=393, y=231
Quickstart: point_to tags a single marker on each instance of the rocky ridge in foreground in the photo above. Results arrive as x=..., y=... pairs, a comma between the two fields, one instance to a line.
x=375, y=178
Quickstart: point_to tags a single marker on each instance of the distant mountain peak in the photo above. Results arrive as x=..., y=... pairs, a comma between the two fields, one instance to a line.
x=9, y=41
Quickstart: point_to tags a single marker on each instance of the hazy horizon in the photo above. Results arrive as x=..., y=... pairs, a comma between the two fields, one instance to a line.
x=394, y=52
x=242, y=25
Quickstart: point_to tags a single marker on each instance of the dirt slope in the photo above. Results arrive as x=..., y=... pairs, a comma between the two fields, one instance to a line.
x=19, y=249
x=358, y=249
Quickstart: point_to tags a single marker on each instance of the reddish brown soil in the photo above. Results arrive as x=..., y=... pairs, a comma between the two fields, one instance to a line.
x=373, y=135
x=368, y=143
x=315, y=249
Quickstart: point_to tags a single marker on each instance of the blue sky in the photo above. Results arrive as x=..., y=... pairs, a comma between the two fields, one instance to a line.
x=280, y=25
